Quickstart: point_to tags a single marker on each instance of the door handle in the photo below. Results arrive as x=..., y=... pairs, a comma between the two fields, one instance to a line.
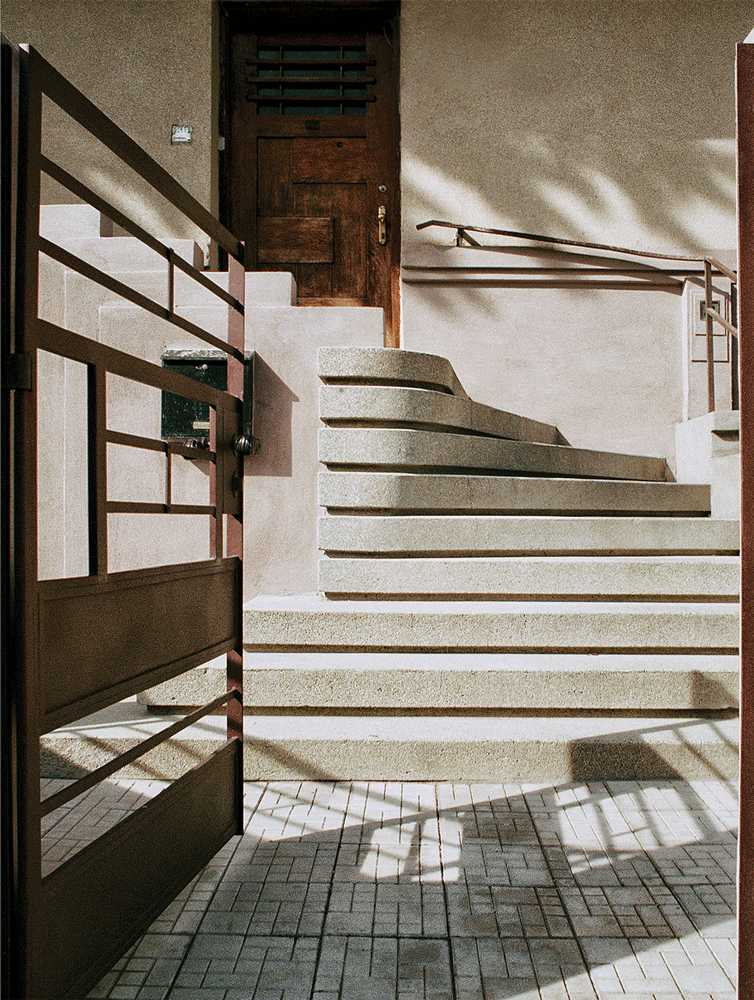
x=382, y=224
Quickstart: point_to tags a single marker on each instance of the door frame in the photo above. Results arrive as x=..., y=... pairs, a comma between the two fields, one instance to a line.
x=292, y=14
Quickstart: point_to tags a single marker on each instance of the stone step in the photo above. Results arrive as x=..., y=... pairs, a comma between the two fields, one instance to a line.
x=68, y=221
x=312, y=622
x=400, y=406
x=459, y=535
x=457, y=682
x=413, y=747
x=408, y=493
x=153, y=284
x=387, y=366
x=533, y=578
x=117, y=254
x=396, y=449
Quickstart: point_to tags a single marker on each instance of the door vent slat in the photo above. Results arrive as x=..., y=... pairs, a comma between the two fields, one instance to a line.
x=284, y=80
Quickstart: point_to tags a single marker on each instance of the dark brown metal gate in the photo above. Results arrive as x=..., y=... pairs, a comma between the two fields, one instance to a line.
x=65, y=930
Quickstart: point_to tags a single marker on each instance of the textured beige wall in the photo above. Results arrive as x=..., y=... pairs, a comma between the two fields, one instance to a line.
x=605, y=120
x=610, y=121
x=148, y=64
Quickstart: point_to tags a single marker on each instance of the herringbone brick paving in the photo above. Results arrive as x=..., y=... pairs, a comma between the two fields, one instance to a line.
x=406, y=891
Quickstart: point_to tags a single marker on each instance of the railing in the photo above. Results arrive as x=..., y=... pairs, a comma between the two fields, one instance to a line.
x=706, y=271
x=79, y=644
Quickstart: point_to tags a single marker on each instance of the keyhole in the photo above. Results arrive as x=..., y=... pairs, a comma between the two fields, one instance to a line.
x=338, y=143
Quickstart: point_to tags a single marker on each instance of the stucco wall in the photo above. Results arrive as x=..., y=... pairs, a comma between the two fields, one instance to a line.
x=148, y=64
x=610, y=122
x=606, y=121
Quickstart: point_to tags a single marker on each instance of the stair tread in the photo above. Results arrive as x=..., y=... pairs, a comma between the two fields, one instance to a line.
x=452, y=682
x=417, y=747
x=409, y=492
x=380, y=365
x=317, y=604
x=131, y=720
x=583, y=577
x=451, y=534
x=403, y=405
x=375, y=662
x=404, y=448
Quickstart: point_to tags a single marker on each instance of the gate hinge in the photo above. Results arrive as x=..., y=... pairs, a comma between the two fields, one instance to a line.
x=16, y=371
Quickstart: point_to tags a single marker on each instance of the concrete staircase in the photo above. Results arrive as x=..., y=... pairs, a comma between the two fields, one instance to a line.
x=494, y=603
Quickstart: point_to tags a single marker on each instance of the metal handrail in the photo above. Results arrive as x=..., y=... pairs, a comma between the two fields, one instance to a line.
x=712, y=268
x=462, y=230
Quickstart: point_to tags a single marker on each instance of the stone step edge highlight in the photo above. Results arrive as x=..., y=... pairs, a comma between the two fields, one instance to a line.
x=414, y=493
x=397, y=449
x=462, y=535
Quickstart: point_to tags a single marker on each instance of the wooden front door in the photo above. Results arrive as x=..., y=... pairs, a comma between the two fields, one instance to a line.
x=311, y=161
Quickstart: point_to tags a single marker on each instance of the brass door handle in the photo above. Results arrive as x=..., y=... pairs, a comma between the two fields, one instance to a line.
x=382, y=225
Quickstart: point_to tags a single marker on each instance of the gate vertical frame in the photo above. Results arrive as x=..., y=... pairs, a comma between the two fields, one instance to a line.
x=62, y=932
x=24, y=661
x=745, y=201
x=9, y=97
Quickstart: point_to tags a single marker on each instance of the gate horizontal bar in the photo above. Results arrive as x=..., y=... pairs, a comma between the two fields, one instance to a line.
x=81, y=109
x=131, y=295
x=65, y=795
x=75, y=186
x=57, y=340
x=154, y=624
x=134, y=507
x=156, y=444
x=99, y=902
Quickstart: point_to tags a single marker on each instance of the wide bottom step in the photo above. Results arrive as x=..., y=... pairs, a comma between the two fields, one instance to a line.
x=414, y=747
x=444, y=682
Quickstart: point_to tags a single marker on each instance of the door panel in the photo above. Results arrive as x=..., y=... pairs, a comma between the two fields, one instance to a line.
x=346, y=278
x=312, y=128
x=295, y=240
x=329, y=159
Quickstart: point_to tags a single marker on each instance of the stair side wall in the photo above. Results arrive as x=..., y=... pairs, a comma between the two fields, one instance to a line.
x=604, y=365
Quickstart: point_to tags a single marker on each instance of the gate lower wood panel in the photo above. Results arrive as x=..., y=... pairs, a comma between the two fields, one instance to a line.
x=160, y=845
x=168, y=620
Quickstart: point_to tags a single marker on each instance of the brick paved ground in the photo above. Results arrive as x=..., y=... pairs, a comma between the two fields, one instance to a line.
x=375, y=890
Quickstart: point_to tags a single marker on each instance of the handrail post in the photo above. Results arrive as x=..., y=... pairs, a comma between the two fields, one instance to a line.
x=710, y=336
